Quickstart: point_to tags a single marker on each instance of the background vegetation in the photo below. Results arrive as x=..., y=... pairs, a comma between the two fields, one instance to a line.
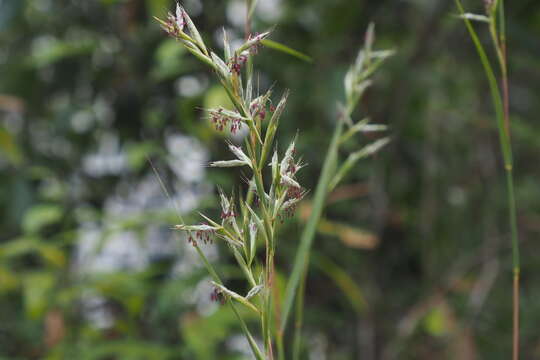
x=412, y=260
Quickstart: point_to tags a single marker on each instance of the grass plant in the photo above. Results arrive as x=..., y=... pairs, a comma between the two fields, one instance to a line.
x=494, y=17
x=251, y=220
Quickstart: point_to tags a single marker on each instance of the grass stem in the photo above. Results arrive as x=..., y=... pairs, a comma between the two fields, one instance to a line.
x=302, y=256
x=501, y=104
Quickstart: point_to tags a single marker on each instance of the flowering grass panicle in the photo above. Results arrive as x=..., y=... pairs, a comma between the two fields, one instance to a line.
x=249, y=223
x=242, y=226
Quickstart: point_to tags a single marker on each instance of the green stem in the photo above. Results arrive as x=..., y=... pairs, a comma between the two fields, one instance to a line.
x=516, y=263
x=302, y=256
x=494, y=89
x=503, y=125
x=279, y=345
x=513, y=218
x=299, y=314
x=269, y=302
x=504, y=65
x=253, y=345
x=502, y=23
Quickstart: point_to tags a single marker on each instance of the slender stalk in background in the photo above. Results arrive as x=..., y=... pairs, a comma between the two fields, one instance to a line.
x=496, y=19
x=356, y=82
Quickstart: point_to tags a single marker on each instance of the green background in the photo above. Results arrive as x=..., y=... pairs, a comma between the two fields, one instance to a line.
x=412, y=260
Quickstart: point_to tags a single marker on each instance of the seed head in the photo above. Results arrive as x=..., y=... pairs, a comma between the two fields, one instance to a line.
x=222, y=119
x=259, y=110
x=175, y=23
x=237, y=62
x=217, y=296
x=254, y=41
x=227, y=208
x=204, y=235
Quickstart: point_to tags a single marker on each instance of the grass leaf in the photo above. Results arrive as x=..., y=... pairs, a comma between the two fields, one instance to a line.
x=287, y=50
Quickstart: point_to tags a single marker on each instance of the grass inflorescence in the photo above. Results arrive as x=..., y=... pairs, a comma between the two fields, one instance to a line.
x=250, y=221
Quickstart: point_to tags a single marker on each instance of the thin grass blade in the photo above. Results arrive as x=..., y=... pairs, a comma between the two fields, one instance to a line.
x=287, y=50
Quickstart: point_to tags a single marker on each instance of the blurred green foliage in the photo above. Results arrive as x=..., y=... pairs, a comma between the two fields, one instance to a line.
x=422, y=266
